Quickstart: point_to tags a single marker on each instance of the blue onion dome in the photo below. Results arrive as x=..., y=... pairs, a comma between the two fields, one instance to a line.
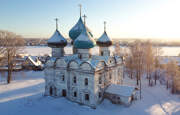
x=77, y=29
x=84, y=40
x=57, y=40
x=104, y=40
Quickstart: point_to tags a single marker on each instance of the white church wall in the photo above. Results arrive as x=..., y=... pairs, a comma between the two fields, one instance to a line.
x=73, y=65
x=61, y=63
x=57, y=52
x=61, y=81
x=81, y=88
x=86, y=67
x=49, y=79
x=76, y=91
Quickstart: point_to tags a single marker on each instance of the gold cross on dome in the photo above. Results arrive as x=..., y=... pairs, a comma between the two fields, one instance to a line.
x=56, y=19
x=80, y=6
x=104, y=25
x=84, y=16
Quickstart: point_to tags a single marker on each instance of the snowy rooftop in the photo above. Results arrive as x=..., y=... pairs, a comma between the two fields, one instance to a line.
x=57, y=38
x=68, y=58
x=94, y=61
x=120, y=90
x=104, y=38
x=33, y=60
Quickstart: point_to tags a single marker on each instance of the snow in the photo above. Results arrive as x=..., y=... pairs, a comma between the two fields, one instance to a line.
x=37, y=50
x=83, y=37
x=121, y=90
x=104, y=38
x=57, y=38
x=84, y=40
x=24, y=96
x=166, y=59
x=32, y=60
x=42, y=50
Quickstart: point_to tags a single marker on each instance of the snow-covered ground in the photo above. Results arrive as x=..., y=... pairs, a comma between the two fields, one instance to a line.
x=41, y=50
x=24, y=96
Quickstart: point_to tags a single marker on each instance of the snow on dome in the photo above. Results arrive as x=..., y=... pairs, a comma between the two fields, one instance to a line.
x=84, y=40
x=104, y=40
x=57, y=40
x=77, y=29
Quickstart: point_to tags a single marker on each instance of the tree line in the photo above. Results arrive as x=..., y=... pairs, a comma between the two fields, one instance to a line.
x=143, y=59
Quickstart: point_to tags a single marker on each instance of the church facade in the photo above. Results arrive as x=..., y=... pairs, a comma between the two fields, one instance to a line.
x=81, y=77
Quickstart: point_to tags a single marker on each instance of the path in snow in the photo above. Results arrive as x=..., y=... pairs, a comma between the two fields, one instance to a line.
x=24, y=96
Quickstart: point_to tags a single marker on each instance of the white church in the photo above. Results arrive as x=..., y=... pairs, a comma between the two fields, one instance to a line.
x=82, y=77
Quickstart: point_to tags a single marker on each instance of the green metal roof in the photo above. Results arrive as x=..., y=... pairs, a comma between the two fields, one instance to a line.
x=84, y=40
x=77, y=29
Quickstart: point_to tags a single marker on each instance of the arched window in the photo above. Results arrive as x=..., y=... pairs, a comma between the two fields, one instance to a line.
x=90, y=55
x=86, y=81
x=100, y=95
x=80, y=56
x=87, y=97
x=64, y=93
x=75, y=94
x=101, y=53
x=110, y=76
x=100, y=80
x=74, y=79
x=119, y=71
x=62, y=77
x=51, y=91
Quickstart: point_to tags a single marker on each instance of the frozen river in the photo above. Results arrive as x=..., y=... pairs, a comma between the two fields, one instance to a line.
x=41, y=50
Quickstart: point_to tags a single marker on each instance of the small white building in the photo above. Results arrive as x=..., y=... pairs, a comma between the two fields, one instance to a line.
x=32, y=62
x=81, y=77
x=120, y=94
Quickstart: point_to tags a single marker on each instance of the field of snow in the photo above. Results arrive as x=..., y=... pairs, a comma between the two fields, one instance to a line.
x=24, y=96
x=41, y=50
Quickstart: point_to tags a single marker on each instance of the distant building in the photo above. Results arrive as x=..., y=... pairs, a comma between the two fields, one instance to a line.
x=32, y=62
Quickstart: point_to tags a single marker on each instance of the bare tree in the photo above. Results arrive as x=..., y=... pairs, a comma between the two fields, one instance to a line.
x=157, y=58
x=172, y=72
x=137, y=53
x=148, y=59
x=129, y=65
x=10, y=45
x=176, y=83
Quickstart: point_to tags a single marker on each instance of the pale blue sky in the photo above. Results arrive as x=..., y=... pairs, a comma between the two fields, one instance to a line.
x=125, y=18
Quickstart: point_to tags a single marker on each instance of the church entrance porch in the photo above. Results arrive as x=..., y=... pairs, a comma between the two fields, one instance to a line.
x=52, y=91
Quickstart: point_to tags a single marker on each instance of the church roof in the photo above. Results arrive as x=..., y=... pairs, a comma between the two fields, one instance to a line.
x=57, y=40
x=104, y=40
x=84, y=40
x=77, y=29
x=120, y=90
